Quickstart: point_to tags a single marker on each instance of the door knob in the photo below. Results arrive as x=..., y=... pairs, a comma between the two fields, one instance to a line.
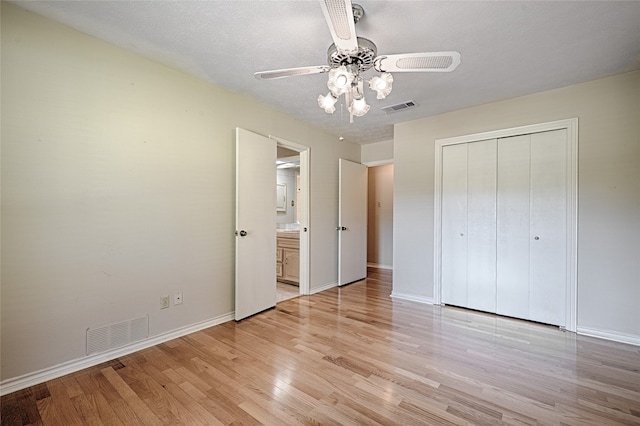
x=536, y=238
x=242, y=233
x=344, y=228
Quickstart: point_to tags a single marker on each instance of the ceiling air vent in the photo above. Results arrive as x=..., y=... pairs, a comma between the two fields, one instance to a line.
x=399, y=107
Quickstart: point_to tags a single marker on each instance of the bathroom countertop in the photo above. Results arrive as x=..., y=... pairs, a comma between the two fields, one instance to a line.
x=288, y=233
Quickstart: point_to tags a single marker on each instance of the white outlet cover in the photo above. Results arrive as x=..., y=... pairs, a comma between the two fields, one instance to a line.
x=164, y=302
x=177, y=298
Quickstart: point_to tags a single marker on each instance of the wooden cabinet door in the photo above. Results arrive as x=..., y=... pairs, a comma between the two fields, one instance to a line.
x=291, y=264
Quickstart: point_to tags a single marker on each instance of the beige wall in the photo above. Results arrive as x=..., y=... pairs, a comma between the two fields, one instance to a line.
x=380, y=216
x=375, y=154
x=608, y=189
x=118, y=187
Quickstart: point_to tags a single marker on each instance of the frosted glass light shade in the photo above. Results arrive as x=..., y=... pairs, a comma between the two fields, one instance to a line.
x=382, y=85
x=327, y=103
x=359, y=107
x=339, y=81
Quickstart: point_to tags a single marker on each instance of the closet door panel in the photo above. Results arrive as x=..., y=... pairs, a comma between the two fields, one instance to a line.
x=454, y=225
x=548, y=230
x=481, y=225
x=513, y=206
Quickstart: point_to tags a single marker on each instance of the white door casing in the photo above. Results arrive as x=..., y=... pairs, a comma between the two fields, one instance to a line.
x=352, y=222
x=255, y=265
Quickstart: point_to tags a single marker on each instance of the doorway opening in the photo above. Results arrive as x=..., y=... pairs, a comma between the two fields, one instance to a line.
x=292, y=221
x=380, y=216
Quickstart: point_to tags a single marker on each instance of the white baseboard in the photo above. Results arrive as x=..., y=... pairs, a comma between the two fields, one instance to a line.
x=610, y=335
x=31, y=379
x=412, y=297
x=323, y=288
x=379, y=266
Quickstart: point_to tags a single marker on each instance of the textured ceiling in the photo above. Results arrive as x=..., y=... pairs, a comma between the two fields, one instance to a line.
x=508, y=48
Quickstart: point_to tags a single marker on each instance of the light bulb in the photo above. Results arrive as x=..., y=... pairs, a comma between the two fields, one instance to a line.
x=341, y=81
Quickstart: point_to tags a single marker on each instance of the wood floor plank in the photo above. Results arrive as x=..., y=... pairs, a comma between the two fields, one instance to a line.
x=352, y=355
x=142, y=412
x=58, y=408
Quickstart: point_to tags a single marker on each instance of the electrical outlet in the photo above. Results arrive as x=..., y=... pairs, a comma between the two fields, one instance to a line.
x=177, y=298
x=164, y=302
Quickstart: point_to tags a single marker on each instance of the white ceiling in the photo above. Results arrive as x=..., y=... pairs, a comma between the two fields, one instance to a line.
x=508, y=48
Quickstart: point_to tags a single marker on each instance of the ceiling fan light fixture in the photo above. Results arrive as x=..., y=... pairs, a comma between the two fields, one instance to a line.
x=340, y=80
x=359, y=107
x=382, y=85
x=350, y=56
x=327, y=103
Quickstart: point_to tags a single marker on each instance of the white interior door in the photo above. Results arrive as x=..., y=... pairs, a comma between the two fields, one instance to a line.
x=548, y=229
x=469, y=225
x=513, y=205
x=513, y=194
x=454, y=225
x=255, y=223
x=481, y=225
x=532, y=271
x=352, y=222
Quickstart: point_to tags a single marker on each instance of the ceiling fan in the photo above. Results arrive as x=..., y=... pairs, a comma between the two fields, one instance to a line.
x=349, y=56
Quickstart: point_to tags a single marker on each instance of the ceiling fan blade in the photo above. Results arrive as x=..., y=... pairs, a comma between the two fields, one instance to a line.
x=339, y=16
x=418, y=62
x=290, y=72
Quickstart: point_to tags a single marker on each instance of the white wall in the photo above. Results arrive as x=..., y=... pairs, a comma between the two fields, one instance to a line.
x=380, y=216
x=118, y=187
x=609, y=193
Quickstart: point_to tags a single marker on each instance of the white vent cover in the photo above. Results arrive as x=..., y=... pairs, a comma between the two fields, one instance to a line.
x=118, y=334
x=399, y=107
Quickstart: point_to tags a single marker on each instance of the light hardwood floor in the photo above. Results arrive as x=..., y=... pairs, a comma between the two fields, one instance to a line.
x=352, y=355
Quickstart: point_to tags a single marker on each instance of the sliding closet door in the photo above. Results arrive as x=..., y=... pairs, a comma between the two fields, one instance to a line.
x=548, y=237
x=513, y=204
x=481, y=225
x=454, y=225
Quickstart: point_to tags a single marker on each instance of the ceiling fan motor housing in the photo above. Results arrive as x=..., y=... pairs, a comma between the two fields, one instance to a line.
x=363, y=58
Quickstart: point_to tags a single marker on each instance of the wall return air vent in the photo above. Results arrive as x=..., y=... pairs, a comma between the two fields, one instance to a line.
x=399, y=107
x=114, y=335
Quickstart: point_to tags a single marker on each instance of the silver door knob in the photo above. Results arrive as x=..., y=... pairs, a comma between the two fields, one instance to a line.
x=536, y=238
x=243, y=233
